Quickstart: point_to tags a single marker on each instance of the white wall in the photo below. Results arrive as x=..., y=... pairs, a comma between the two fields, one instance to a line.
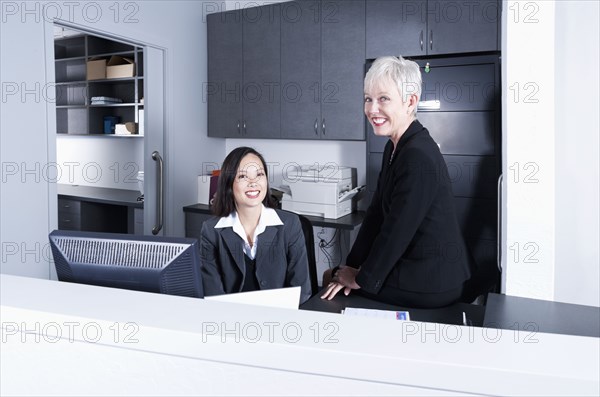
x=528, y=99
x=24, y=195
x=551, y=150
x=577, y=152
x=111, y=162
x=27, y=120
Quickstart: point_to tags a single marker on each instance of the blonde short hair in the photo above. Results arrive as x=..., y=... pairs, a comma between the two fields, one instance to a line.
x=404, y=73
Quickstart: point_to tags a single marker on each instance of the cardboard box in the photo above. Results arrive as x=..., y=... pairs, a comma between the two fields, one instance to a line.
x=96, y=69
x=118, y=67
x=129, y=128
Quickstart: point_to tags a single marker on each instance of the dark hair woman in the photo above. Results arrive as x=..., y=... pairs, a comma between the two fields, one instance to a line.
x=249, y=245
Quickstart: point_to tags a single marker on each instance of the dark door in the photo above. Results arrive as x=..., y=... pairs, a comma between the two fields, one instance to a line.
x=456, y=27
x=262, y=76
x=224, y=88
x=300, y=69
x=342, y=69
x=396, y=28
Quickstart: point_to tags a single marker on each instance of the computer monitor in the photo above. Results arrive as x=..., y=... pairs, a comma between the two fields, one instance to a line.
x=167, y=265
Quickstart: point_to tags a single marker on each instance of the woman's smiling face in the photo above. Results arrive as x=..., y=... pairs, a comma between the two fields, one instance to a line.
x=250, y=186
x=387, y=112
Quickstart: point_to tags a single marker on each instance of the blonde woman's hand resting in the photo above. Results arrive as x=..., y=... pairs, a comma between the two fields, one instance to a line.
x=344, y=278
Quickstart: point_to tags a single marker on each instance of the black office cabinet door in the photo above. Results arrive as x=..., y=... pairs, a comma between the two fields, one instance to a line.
x=262, y=77
x=342, y=69
x=300, y=70
x=462, y=26
x=396, y=27
x=223, y=90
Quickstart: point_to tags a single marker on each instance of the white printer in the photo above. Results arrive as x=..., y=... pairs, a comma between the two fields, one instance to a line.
x=326, y=190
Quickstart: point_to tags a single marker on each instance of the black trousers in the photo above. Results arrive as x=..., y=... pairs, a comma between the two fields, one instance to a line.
x=424, y=300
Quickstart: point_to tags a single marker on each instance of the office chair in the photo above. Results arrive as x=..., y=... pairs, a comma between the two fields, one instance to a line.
x=485, y=277
x=309, y=238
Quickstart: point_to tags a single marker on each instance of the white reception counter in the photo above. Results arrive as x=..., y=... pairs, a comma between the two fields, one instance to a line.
x=69, y=339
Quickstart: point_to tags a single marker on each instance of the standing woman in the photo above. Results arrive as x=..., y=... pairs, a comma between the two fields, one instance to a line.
x=250, y=246
x=409, y=250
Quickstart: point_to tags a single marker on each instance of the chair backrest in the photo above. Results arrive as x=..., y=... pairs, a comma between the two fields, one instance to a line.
x=309, y=237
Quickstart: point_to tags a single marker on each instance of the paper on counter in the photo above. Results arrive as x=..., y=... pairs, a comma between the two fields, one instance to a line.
x=285, y=298
x=374, y=313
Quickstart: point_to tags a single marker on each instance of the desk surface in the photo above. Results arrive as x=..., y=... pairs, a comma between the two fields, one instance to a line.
x=534, y=315
x=348, y=222
x=446, y=315
x=101, y=195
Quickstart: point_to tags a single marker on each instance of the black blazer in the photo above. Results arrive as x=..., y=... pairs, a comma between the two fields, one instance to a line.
x=281, y=259
x=410, y=238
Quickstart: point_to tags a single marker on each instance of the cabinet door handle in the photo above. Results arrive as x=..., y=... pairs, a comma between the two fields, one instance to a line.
x=159, y=192
x=499, y=226
x=238, y=127
x=245, y=132
x=431, y=40
x=317, y=126
x=323, y=126
x=421, y=39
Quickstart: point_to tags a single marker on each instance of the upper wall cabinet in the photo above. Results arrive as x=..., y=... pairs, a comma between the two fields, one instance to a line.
x=322, y=69
x=291, y=70
x=244, y=73
x=430, y=27
x=224, y=90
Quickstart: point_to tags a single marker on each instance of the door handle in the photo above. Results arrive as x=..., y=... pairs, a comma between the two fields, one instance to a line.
x=421, y=39
x=238, y=127
x=323, y=126
x=159, y=192
x=431, y=40
x=499, y=225
x=316, y=126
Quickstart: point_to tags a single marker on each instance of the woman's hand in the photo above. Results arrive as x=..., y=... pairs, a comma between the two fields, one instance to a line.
x=345, y=278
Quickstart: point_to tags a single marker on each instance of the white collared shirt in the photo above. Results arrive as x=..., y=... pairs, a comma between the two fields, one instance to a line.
x=268, y=217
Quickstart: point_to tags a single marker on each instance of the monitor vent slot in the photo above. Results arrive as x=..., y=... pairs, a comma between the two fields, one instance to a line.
x=176, y=279
x=63, y=269
x=148, y=255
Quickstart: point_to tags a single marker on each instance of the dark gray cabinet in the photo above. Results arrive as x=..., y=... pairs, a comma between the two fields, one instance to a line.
x=69, y=214
x=244, y=73
x=430, y=27
x=322, y=68
x=342, y=69
x=261, y=76
x=96, y=209
x=396, y=27
x=301, y=71
x=456, y=27
x=288, y=70
x=224, y=89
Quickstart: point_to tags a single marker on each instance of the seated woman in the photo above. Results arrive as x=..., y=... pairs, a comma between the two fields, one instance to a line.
x=250, y=246
x=409, y=250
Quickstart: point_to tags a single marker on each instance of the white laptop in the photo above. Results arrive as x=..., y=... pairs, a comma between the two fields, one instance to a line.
x=285, y=298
